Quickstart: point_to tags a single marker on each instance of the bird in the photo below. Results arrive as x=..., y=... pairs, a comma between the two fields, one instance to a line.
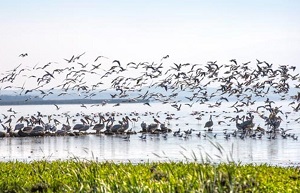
x=125, y=124
x=71, y=59
x=209, y=124
x=144, y=126
x=135, y=120
x=57, y=107
x=100, y=125
x=117, y=104
x=245, y=125
x=116, y=127
x=82, y=105
x=126, y=138
x=165, y=57
x=23, y=55
x=147, y=104
x=81, y=127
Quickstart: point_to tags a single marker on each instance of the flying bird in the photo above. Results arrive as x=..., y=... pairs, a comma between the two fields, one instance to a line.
x=57, y=107
x=165, y=57
x=23, y=55
x=147, y=104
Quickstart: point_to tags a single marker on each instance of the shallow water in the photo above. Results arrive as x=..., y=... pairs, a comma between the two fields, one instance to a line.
x=155, y=148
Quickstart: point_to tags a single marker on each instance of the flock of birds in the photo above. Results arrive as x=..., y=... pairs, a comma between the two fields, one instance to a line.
x=176, y=84
x=162, y=125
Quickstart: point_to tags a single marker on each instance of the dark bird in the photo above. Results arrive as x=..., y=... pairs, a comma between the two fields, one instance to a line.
x=71, y=59
x=147, y=104
x=23, y=55
x=82, y=105
x=165, y=57
x=57, y=107
x=99, y=57
x=209, y=124
x=100, y=125
x=144, y=126
x=117, y=104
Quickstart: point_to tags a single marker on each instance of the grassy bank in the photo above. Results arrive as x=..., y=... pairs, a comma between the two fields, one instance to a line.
x=90, y=176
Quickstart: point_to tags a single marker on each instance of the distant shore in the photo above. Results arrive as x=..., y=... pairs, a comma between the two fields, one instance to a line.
x=67, y=101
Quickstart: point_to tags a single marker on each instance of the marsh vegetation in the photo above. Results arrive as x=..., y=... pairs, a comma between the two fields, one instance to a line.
x=90, y=176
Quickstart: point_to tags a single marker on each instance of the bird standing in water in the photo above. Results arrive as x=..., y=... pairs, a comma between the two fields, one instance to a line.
x=209, y=124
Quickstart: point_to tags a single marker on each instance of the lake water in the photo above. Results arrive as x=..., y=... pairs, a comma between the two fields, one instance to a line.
x=115, y=148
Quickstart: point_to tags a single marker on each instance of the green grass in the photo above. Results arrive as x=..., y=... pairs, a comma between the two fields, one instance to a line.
x=91, y=176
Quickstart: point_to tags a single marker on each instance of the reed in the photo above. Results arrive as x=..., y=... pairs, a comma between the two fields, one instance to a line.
x=89, y=176
x=197, y=173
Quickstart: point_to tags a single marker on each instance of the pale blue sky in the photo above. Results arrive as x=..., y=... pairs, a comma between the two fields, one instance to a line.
x=189, y=31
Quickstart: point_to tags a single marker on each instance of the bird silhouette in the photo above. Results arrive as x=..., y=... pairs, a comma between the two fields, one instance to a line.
x=209, y=124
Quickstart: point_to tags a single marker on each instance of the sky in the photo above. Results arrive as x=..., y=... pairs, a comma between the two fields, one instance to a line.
x=193, y=31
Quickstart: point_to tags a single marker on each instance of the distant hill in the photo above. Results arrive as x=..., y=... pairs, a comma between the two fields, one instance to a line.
x=19, y=98
x=96, y=96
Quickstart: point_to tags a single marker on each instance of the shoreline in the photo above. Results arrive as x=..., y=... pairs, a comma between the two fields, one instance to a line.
x=68, y=101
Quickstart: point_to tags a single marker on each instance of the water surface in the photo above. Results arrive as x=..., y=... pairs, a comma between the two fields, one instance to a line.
x=155, y=147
